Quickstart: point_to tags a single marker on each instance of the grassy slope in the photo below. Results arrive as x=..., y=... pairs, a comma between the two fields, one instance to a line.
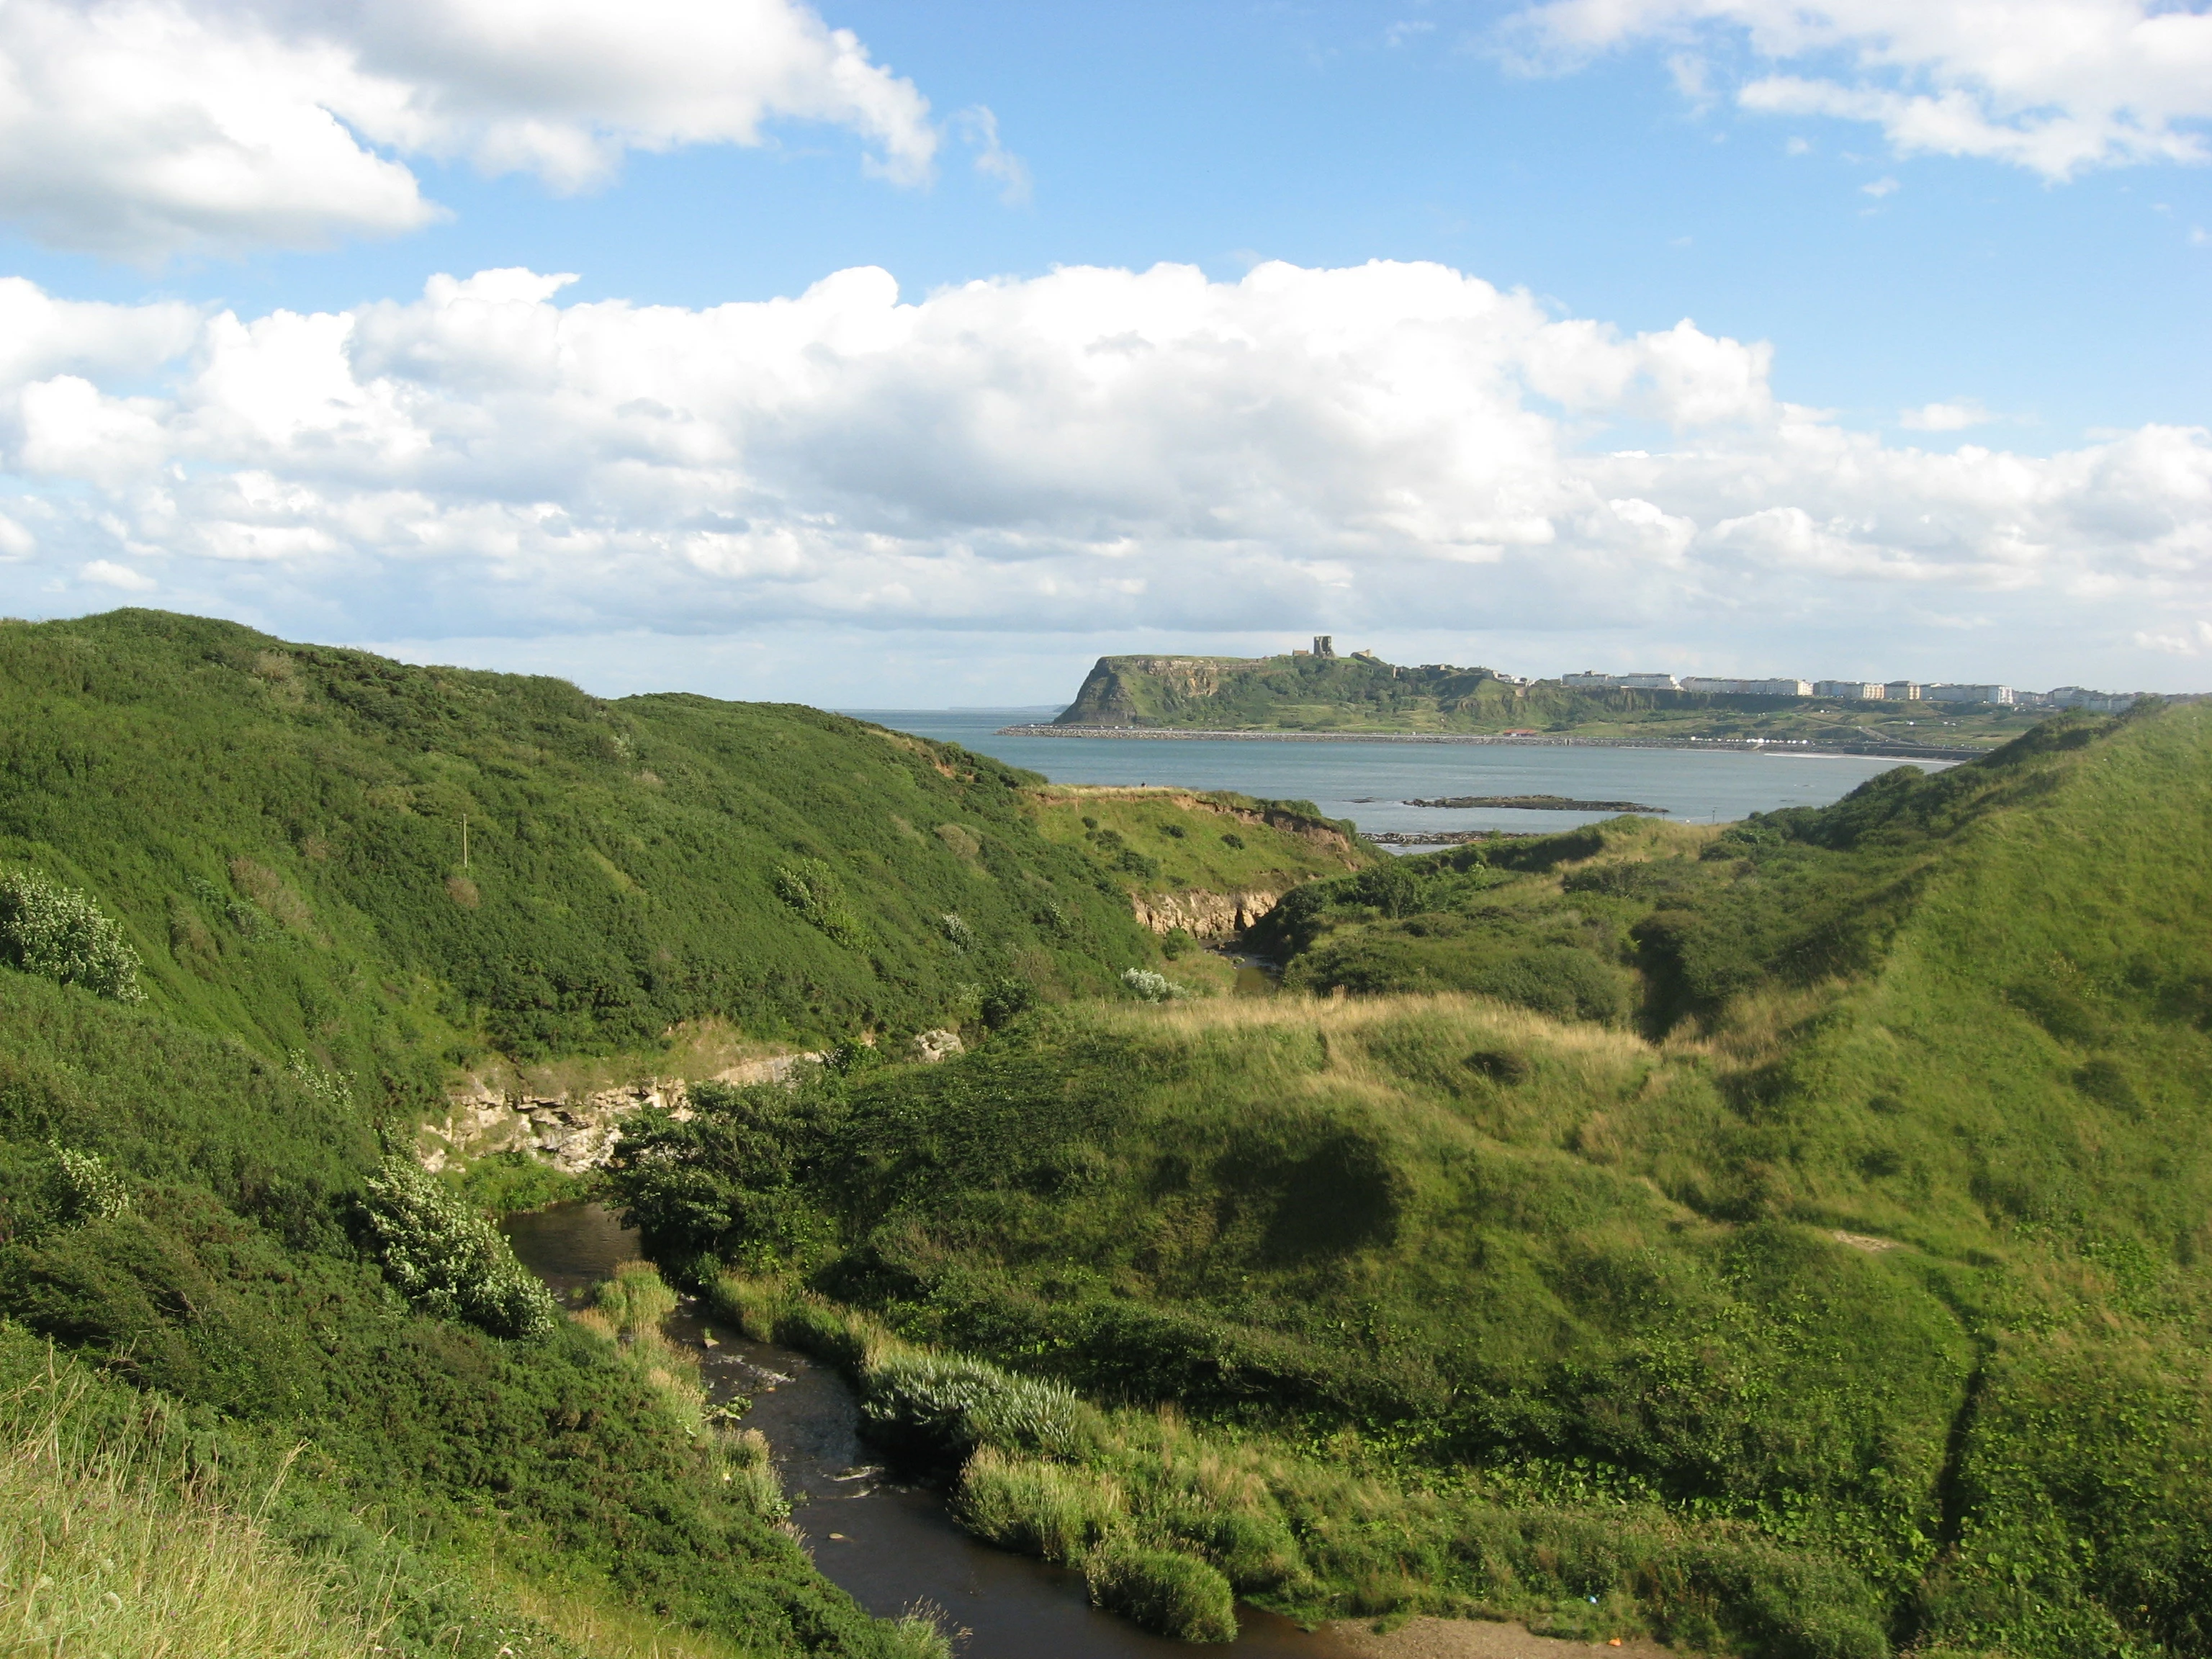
x=1356, y=694
x=1218, y=842
x=1962, y=1019
x=278, y=828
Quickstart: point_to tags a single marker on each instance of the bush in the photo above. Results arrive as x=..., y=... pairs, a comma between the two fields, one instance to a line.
x=1035, y=1508
x=1164, y=1591
x=750, y=1304
x=58, y=933
x=1151, y=987
x=810, y=888
x=1005, y=1000
x=751, y=1470
x=89, y=1189
x=447, y=1259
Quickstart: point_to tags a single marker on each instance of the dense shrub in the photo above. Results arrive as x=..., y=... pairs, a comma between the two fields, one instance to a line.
x=1144, y=983
x=89, y=1189
x=59, y=933
x=446, y=1258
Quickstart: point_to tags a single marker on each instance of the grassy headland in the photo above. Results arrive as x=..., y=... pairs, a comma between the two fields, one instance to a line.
x=1363, y=694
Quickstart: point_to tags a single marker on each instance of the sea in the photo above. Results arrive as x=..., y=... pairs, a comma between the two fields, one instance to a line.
x=1370, y=782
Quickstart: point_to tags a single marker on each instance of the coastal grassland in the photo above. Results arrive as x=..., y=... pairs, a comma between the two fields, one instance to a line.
x=1868, y=1226
x=1165, y=840
x=278, y=828
x=181, y=1215
x=115, y=1544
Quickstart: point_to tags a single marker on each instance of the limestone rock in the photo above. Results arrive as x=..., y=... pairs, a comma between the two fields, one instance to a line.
x=930, y=1047
x=1200, y=913
x=572, y=1132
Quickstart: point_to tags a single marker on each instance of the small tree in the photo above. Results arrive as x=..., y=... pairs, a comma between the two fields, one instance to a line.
x=58, y=933
x=449, y=1259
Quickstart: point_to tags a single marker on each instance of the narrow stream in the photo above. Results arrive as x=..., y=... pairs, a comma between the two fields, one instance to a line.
x=891, y=1546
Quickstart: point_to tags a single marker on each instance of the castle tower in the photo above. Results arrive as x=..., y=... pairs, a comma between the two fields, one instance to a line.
x=1324, y=644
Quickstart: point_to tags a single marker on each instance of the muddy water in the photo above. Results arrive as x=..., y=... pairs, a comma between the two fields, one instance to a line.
x=891, y=1546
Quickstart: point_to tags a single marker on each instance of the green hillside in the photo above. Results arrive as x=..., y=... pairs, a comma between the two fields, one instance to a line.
x=1792, y=1237
x=279, y=830
x=201, y=1193
x=1155, y=840
x=1362, y=693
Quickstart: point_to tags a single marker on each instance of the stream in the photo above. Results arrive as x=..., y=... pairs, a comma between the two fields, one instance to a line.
x=891, y=1546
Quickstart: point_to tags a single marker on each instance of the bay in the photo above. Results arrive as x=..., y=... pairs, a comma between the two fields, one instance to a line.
x=1370, y=782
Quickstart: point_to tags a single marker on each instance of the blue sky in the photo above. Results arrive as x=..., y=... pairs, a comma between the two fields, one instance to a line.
x=2027, y=265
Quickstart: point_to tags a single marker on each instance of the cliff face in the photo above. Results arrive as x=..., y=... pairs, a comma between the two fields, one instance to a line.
x=1232, y=693
x=1146, y=691
x=1200, y=913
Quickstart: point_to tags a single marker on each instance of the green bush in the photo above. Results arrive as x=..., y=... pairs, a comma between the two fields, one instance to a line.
x=636, y=1298
x=1149, y=987
x=810, y=888
x=448, y=1260
x=89, y=1189
x=58, y=933
x=1163, y=1590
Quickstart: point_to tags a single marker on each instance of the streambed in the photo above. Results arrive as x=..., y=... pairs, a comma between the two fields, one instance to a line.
x=887, y=1544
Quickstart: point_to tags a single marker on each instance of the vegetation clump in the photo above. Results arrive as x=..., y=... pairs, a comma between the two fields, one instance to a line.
x=446, y=1258
x=1162, y=1591
x=943, y=1409
x=60, y=934
x=1149, y=987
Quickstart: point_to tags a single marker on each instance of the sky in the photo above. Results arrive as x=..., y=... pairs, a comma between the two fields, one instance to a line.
x=914, y=355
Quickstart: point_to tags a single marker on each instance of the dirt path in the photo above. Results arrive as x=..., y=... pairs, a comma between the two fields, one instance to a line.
x=1480, y=1638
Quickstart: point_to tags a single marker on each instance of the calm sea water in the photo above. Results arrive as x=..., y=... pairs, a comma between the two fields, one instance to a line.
x=1368, y=782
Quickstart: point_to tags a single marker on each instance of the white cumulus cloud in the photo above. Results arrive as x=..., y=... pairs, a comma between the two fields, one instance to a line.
x=2056, y=86
x=1954, y=416
x=140, y=127
x=1393, y=445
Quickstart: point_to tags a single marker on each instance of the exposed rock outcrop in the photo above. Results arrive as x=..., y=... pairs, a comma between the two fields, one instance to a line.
x=930, y=1047
x=1200, y=913
x=572, y=1132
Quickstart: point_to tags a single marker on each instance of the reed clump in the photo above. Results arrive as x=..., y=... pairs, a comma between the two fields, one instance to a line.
x=628, y=1311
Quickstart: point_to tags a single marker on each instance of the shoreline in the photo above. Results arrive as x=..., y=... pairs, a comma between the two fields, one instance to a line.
x=1809, y=746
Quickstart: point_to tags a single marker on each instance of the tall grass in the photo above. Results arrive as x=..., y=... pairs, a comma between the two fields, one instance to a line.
x=112, y=1544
